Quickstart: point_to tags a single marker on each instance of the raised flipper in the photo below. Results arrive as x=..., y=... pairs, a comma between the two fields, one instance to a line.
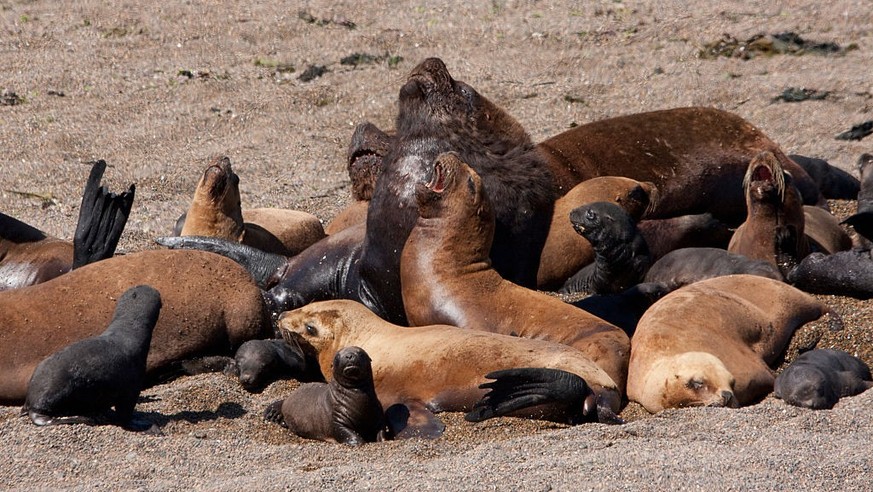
x=541, y=393
x=411, y=420
x=102, y=217
x=265, y=268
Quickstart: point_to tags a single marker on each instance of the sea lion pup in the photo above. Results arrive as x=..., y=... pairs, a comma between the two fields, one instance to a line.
x=447, y=278
x=774, y=226
x=624, y=310
x=862, y=220
x=833, y=182
x=565, y=251
x=258, y=363
x=210, y=307
x=696, y=158
x=819, y=378
x=345, y=410
x=215, y=211
x=621, y=255
x=439, y=366
x=710, y=343
x=686, y=231
x=28, y=256
x=845, y=273
x=688, y=265
x=87, y=378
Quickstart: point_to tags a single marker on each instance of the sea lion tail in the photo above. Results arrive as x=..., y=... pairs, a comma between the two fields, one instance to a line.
x=102, y=217
x=264, y=267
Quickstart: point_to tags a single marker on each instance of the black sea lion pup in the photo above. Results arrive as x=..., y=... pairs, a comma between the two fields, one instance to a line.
x=346, y=410
x=819, y=378
x=833, y=182
x=844, y=273
x=862, y=221
x=621, y=255
x=87, y=378
x=688, y=265
x=258, y=363
x=624, y=310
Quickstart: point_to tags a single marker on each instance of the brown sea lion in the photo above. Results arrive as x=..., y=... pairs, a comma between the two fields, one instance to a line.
x=210, y=307
x=215, y=211
x=447, y=278
x=440, y=366
x=28, y=256
x=823, y=231
x=712, y=342
x=565, y=251
x=345, y=410
x=686, y=231
x=862, y=220
x=819, y=378
x=774, y=226
x=696, y=158
x=87, y=378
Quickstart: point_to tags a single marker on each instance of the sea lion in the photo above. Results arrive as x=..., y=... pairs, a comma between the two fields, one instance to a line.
x=819, y=378
x=88, y=377
x=447, y=278
x=844, y=273
x=686, y=231
x=215, y=211
x=624, y=310
x=28, y=256
x=862, y=220
x=696, y=157
x=436, y=114
x=711, y=342
x=440, y=366
x=565, y=251
x=258, y=363
x=621, y=255
x=210, y=307
x=345, y=410
x=833, y=182
x=823, y=231
x=688, y=265
x=774, y=226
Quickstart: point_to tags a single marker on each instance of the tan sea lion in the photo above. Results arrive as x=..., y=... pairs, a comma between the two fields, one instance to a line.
x=823, y=231
x=215, y=211
x=440, y=366
x=447, y=278
x=712, y=342
x=210, y=306
x=565, y=251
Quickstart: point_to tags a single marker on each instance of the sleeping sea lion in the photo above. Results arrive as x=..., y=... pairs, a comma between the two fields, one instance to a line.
x=688, y=265
x=819, y=378
x=87, y=378
x=712, y=342
x=447, y=278
x=844, y=273
x=258, y=363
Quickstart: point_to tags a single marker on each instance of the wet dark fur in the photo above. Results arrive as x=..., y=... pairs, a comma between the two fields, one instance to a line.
x=845, y=273
x=819, y=378
x=833, y=182
x=688, y=265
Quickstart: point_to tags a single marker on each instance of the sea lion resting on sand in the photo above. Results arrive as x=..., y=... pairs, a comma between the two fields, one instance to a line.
x=87, y=378
x=28, y=256
x=819, y=378
x=711, y=342
x=210, y=307
x=688, y=265
x=447, y=278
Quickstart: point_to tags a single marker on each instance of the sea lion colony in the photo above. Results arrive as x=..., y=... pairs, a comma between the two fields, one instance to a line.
x=455, y=217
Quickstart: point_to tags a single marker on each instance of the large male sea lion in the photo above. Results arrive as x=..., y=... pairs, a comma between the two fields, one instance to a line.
x=210, y=307
x=87, y=378
x=440, y=366
x=28, y=256
x=345, y=410
x=819, y=378
x=447, y=278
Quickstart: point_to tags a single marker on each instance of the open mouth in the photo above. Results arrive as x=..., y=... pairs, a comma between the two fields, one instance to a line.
x=762, y=173
x=438, y=179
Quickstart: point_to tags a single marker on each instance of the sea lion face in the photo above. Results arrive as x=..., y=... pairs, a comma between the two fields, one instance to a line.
x=450, y=177
x=694, y=379
x=601, y=221
x=220, y=183
x=368, y=146
x=310, y=329
x=352, y=367
x=764, y=180
x=806, y=386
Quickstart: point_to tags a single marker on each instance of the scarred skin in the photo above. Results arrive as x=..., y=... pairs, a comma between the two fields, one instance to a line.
x=447, y=278
x=712, y=342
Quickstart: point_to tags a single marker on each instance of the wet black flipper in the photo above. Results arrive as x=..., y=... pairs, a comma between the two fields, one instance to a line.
x=102, y=217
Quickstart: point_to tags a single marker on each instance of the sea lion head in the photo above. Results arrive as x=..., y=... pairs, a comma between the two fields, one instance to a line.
x=216, y=209
x=805, y=385
x=693, y=379
x=352, y=368
x=764, y=181
x=603, y=223
x=453, y=188
x=219, y=183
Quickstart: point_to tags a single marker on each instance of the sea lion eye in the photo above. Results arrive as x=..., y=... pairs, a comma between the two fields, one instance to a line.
x=695, y=384
x=590, y=214
x=311, y=330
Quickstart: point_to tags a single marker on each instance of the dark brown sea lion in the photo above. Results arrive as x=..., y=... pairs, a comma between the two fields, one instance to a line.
x=87, y=378
x=258, y=363
x=774, y=226
x=845, y=273
x=345, y=410
x=28, y=256
x=447, y=278
x=688, y=265
x=686, y=231
x=565, y=251
x=621, y=255
x=215, y=211
x=436, y=114
x=696, y=157
x=440, y=366
x=210, y=307
x=712, y=342
x=862, y=220
x=833, y=182
x=819, y=378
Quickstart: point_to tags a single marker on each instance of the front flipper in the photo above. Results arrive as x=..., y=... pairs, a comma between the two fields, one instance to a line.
x=265, y=268
x=548, y=394
x=102, y=217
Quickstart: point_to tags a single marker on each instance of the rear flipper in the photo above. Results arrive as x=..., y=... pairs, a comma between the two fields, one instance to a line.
x=273, y=413
x=547, y=394
x=265, y=268
x=102, y=217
